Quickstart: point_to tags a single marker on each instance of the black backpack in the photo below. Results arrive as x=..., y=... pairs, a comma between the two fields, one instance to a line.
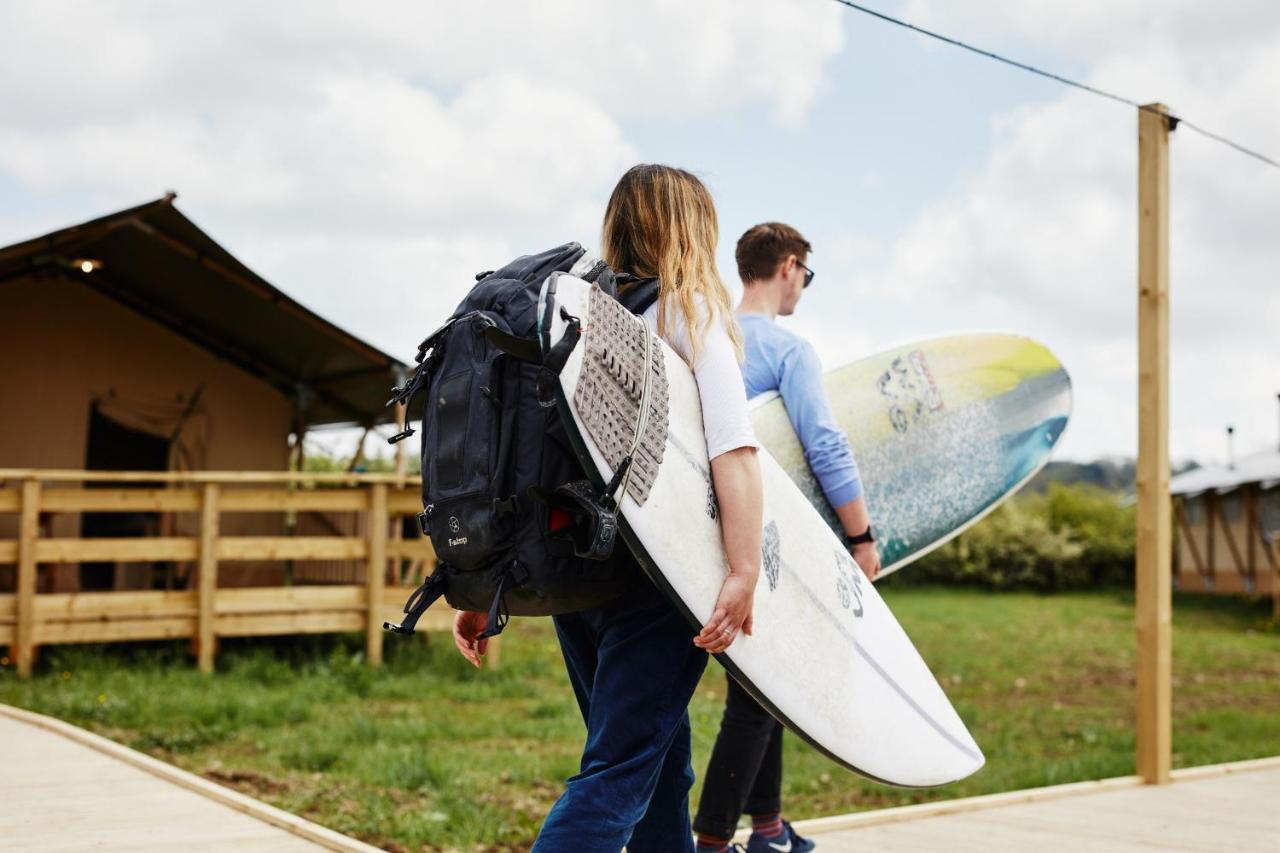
x=517, y=527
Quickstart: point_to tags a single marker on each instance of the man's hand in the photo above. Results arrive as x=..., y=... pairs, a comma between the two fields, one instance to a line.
x=732, y=613
x=467, y=626
x=867, y=556
x=855, y=520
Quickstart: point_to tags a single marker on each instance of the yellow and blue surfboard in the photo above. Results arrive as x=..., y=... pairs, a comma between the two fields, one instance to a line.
x=943, y=431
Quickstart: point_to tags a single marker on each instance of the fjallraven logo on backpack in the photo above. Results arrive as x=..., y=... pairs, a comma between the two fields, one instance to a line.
x=455, y=527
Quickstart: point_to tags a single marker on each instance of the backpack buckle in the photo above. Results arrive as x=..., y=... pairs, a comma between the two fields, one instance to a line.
x=509, y=506
x=424, y=521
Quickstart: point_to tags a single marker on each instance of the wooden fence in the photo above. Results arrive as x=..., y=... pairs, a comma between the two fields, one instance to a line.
x=204, y=611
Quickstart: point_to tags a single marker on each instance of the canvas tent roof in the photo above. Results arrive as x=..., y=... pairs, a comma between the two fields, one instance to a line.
x=1262, y=468
x=157, y=262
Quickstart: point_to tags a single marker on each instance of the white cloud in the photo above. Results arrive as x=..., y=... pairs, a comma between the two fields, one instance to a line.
x=409, y=129
x=367, y=152
x=369, y=161
x=1043, y=238
x=642, y=58
x=390, y=291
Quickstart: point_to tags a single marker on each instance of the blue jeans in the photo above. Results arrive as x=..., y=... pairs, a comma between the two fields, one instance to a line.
x=634, y=668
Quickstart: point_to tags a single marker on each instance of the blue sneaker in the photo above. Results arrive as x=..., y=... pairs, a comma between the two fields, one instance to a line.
x=789, y=842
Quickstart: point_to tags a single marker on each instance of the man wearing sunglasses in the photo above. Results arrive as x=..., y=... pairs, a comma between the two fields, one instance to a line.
x=744, y=774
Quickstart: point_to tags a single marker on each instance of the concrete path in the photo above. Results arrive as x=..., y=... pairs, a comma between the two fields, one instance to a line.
x=1235, y=810
x=62, y=788
x=65, y=789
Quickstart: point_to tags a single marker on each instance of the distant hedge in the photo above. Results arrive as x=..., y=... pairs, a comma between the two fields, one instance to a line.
x=1070, y=537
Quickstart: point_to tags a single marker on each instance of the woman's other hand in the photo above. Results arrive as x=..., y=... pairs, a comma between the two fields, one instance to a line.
x=467, y=627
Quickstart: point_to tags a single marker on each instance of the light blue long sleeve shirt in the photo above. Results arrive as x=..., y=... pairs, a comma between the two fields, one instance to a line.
x=779, y=360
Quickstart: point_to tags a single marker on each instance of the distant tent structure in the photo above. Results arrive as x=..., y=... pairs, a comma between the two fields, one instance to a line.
x=155, y=263
x=134, y=342
x=1229, y=523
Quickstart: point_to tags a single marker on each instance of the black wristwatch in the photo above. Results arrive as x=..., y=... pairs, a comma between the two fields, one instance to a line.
x=860, y=539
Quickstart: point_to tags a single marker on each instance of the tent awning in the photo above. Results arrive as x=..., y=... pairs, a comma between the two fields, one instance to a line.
x=1262, y=468
x=156, y=261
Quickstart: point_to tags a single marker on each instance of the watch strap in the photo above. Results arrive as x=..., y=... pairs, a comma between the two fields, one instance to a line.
x=860, y=539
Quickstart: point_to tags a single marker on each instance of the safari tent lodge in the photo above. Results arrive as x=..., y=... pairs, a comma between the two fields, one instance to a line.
x=154, y=394
x=1228, y=523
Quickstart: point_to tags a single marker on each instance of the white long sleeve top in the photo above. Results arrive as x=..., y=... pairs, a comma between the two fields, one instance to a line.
x=725, y=420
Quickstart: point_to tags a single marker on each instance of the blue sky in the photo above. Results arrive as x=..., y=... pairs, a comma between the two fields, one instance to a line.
x=867, y=156
x=368, y=165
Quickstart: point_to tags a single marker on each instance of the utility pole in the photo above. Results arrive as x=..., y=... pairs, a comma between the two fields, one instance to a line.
x=1154, y=603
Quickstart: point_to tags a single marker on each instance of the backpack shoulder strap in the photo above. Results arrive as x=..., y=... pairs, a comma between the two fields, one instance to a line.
x=637, y=294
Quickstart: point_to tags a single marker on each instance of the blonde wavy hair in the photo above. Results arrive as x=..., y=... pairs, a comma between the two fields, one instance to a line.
x=661, y=223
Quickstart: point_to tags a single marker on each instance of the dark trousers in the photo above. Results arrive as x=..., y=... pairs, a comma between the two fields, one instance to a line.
x=745, y=770
x=634, y=668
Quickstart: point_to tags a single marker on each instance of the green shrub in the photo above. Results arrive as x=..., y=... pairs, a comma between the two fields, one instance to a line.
x=1102, y=524
x=1070, y=537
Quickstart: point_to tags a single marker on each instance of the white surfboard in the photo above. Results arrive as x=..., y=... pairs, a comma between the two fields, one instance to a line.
x=827, y=658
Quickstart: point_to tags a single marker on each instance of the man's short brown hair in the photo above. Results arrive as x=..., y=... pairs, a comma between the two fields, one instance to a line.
x=766, y=245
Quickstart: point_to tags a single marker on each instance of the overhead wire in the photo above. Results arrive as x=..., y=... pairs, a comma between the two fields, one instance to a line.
x=1174, y=121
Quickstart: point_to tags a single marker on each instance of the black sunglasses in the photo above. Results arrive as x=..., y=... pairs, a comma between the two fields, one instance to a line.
x=808, y=275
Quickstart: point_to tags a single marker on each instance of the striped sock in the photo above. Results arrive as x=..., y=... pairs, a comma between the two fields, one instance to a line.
x=711, y=844
x=767, y=825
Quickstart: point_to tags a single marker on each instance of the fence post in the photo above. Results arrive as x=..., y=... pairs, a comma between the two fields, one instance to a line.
x=374, y=574
x=1275, y=579
x=207, y=590
x=1153, y=598
x=28, y=534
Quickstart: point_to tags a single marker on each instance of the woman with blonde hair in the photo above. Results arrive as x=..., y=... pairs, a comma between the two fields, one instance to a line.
x=634, y=662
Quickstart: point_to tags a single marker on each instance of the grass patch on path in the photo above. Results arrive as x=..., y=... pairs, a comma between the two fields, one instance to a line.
x=429, y=754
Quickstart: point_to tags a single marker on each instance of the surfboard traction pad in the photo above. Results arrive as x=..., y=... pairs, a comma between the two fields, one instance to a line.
x=607, y=397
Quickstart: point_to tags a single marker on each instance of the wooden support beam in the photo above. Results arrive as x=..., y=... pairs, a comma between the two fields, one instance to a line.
x=1252, y=531
x=8, y=622
x=121, y=500
x=282, y=499
x=300, y=622
x=114, y=630
x=1187, y=538
x=207, y=577
x=1210, y=537
x=1275, y=579
x=375, y=573
x=1229, y=539
x=63, y=607
x=28, y=534
x=1154, y=556
x=346, y=598
x=405, y=501
x=124, y=549
x=412, y=549
x=292, y=548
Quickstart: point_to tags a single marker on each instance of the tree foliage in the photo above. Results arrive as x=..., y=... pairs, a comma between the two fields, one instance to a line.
x=1070, y=537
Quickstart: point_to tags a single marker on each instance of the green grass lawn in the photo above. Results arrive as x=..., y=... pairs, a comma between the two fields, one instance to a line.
x=428, y=753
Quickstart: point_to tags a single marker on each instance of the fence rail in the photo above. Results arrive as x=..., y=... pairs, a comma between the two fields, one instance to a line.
x=204, y=612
